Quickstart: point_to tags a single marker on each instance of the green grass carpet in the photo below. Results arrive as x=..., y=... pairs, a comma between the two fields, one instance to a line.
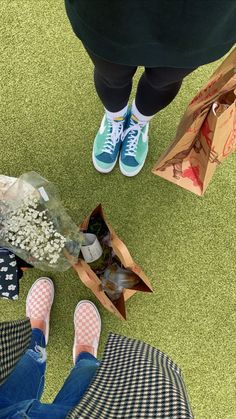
x=186, y=245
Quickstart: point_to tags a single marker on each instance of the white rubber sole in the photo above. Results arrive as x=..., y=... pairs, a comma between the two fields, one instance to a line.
x=100, y=323
x=47, y=321
x=99, y=168
x=134, y=173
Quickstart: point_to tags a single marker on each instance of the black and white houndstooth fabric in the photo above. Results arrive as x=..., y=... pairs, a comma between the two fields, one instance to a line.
x=134, y=380
x=14, y=339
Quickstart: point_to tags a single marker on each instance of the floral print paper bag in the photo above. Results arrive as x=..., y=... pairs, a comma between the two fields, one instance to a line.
x=206, y=134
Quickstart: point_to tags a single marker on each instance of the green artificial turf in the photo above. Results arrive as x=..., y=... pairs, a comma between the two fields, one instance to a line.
x=186, y=245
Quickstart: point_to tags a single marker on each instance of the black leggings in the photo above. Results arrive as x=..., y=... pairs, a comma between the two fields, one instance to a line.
x=157, y=87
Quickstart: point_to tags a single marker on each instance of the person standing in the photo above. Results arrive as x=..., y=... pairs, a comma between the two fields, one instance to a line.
x=169, y=38
x=132, y=380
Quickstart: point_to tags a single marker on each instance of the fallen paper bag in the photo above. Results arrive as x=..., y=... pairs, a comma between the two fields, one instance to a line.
x=93, y=281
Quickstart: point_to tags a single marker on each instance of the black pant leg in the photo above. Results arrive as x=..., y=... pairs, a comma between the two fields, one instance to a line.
x=158, y=87
x=113, y=82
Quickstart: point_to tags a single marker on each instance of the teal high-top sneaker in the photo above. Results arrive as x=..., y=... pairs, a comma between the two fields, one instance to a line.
x=134, y=147
x=107, y=143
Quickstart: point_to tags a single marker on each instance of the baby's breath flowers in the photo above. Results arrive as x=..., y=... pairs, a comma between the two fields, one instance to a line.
x=30, y=228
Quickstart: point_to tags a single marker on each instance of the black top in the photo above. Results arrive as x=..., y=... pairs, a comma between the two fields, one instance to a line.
x=166, y=33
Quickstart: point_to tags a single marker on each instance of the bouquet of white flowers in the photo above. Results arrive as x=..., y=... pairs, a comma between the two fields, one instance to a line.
x=35, y=226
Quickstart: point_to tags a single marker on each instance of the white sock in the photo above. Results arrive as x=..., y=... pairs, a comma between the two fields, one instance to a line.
x=119, y=114
x=139, y=115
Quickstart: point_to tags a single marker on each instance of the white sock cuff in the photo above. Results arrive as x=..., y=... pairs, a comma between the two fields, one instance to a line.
x=119, y=114
x=139, y=115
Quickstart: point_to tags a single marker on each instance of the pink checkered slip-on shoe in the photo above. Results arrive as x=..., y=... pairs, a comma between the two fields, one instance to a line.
x=39, y=302
x=87, y=323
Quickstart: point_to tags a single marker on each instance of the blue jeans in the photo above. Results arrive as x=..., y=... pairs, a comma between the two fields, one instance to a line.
x=20, y=394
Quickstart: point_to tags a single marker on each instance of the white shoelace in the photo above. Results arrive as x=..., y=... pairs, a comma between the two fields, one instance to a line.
x=132, y=143
x=116, y=128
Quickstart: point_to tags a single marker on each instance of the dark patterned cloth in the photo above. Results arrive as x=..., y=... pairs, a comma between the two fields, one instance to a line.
x=134, y=380
x=14, y=340
x=10, y=273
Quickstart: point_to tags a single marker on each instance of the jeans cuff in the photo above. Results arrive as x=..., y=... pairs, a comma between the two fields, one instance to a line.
x=37, y=338
x=85, y=355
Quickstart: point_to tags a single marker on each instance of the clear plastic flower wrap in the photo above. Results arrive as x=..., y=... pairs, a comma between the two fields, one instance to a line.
x=34, y=225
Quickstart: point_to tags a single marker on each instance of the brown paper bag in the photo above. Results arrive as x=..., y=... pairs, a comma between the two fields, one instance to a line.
x=204, y=137
x=93, y=282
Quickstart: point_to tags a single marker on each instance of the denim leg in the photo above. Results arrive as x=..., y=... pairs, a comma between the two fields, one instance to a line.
x=27, y=379
x=34, y=409
x=40, y=410
x=78, y=381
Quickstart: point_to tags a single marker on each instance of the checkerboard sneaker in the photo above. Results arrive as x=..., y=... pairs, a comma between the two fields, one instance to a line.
x=107, y=144
x=39, y=302
x=134, y=147
x=87, y=323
